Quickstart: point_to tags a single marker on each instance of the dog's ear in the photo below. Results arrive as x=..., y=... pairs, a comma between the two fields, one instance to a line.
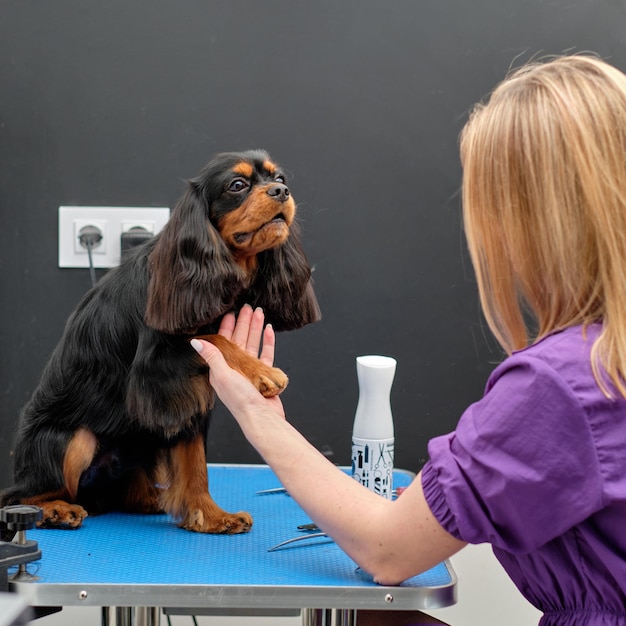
x=283, y=286
x=193, y=278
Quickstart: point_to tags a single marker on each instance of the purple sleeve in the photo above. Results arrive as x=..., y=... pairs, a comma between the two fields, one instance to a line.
x=521, y=467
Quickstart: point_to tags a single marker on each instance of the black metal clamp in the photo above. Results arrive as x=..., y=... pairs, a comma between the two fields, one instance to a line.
x=15, y=549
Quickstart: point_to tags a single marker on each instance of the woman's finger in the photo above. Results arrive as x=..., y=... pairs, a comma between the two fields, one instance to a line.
x=255, y=332
x=210, y=353
x=227, y=326
x=269, y=345
x=219, y=370
x=242, y=326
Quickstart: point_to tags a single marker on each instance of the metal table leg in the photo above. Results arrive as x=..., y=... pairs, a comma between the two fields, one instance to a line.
x=328, y=617
x=132, y=616
x=123, y=616
x=147, y=616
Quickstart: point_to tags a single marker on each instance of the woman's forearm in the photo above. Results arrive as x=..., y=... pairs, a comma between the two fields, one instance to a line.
x=390, y=540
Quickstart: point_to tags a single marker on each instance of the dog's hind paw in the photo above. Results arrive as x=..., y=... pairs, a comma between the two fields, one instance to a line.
x=223, y=524
x=60, y=514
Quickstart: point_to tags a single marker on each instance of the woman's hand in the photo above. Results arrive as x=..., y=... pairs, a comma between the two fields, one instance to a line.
x=247, y=331
x=239, y=396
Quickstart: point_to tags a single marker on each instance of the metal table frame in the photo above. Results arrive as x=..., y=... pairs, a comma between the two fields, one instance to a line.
x=109, y=562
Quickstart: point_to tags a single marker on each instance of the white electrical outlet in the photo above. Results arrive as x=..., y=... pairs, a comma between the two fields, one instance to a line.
x=128, y=225
x=112, y=222
x=100, y=247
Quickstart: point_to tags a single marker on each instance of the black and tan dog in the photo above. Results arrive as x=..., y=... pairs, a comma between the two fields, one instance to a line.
x=119, y=419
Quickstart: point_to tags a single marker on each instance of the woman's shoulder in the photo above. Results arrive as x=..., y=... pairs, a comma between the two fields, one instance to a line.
x=565, y=354
x=560, y=364
x=565, y=342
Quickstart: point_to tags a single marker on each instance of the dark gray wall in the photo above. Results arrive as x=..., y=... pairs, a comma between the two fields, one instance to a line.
x=115, y=102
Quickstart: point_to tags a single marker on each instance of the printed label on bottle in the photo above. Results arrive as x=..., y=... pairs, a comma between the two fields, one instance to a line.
x=372, y=464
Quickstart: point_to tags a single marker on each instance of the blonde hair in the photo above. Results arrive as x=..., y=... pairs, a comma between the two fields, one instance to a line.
x=544, y=206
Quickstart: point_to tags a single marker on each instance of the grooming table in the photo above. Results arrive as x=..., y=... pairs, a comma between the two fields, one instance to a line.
x=140, y=562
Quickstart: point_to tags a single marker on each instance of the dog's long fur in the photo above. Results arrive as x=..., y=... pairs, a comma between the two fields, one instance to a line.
x=119, y=419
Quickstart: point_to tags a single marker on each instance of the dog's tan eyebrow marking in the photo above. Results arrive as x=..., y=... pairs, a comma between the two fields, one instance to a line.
x=268, y=166
x=244, y=169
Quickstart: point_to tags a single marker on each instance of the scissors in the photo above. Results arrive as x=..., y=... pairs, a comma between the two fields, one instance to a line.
x=312, y=531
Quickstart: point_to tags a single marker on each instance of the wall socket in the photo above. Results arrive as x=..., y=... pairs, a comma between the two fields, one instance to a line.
x=112, y=222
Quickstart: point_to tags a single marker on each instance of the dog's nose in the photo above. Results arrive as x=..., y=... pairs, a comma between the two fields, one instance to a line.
x=278, y=191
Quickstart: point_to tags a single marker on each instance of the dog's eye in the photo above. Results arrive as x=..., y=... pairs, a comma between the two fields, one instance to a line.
x=237, y=185
x=280, y=179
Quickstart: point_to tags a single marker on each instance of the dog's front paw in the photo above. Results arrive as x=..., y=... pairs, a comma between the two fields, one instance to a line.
x=271, y=381
x=60, y=514
x=221, y=524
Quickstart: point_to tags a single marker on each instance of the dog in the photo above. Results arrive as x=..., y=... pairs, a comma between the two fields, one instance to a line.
x=119, y=419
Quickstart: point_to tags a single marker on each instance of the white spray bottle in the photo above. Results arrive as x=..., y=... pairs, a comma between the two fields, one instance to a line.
x=373, y=433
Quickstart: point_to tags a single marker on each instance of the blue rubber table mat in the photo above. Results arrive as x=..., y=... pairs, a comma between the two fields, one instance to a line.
x=150, y=550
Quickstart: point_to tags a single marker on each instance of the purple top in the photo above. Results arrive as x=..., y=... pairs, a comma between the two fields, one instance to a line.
x=537, y=468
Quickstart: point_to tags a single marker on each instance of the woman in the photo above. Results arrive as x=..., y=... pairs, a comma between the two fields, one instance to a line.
x=537, y=467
